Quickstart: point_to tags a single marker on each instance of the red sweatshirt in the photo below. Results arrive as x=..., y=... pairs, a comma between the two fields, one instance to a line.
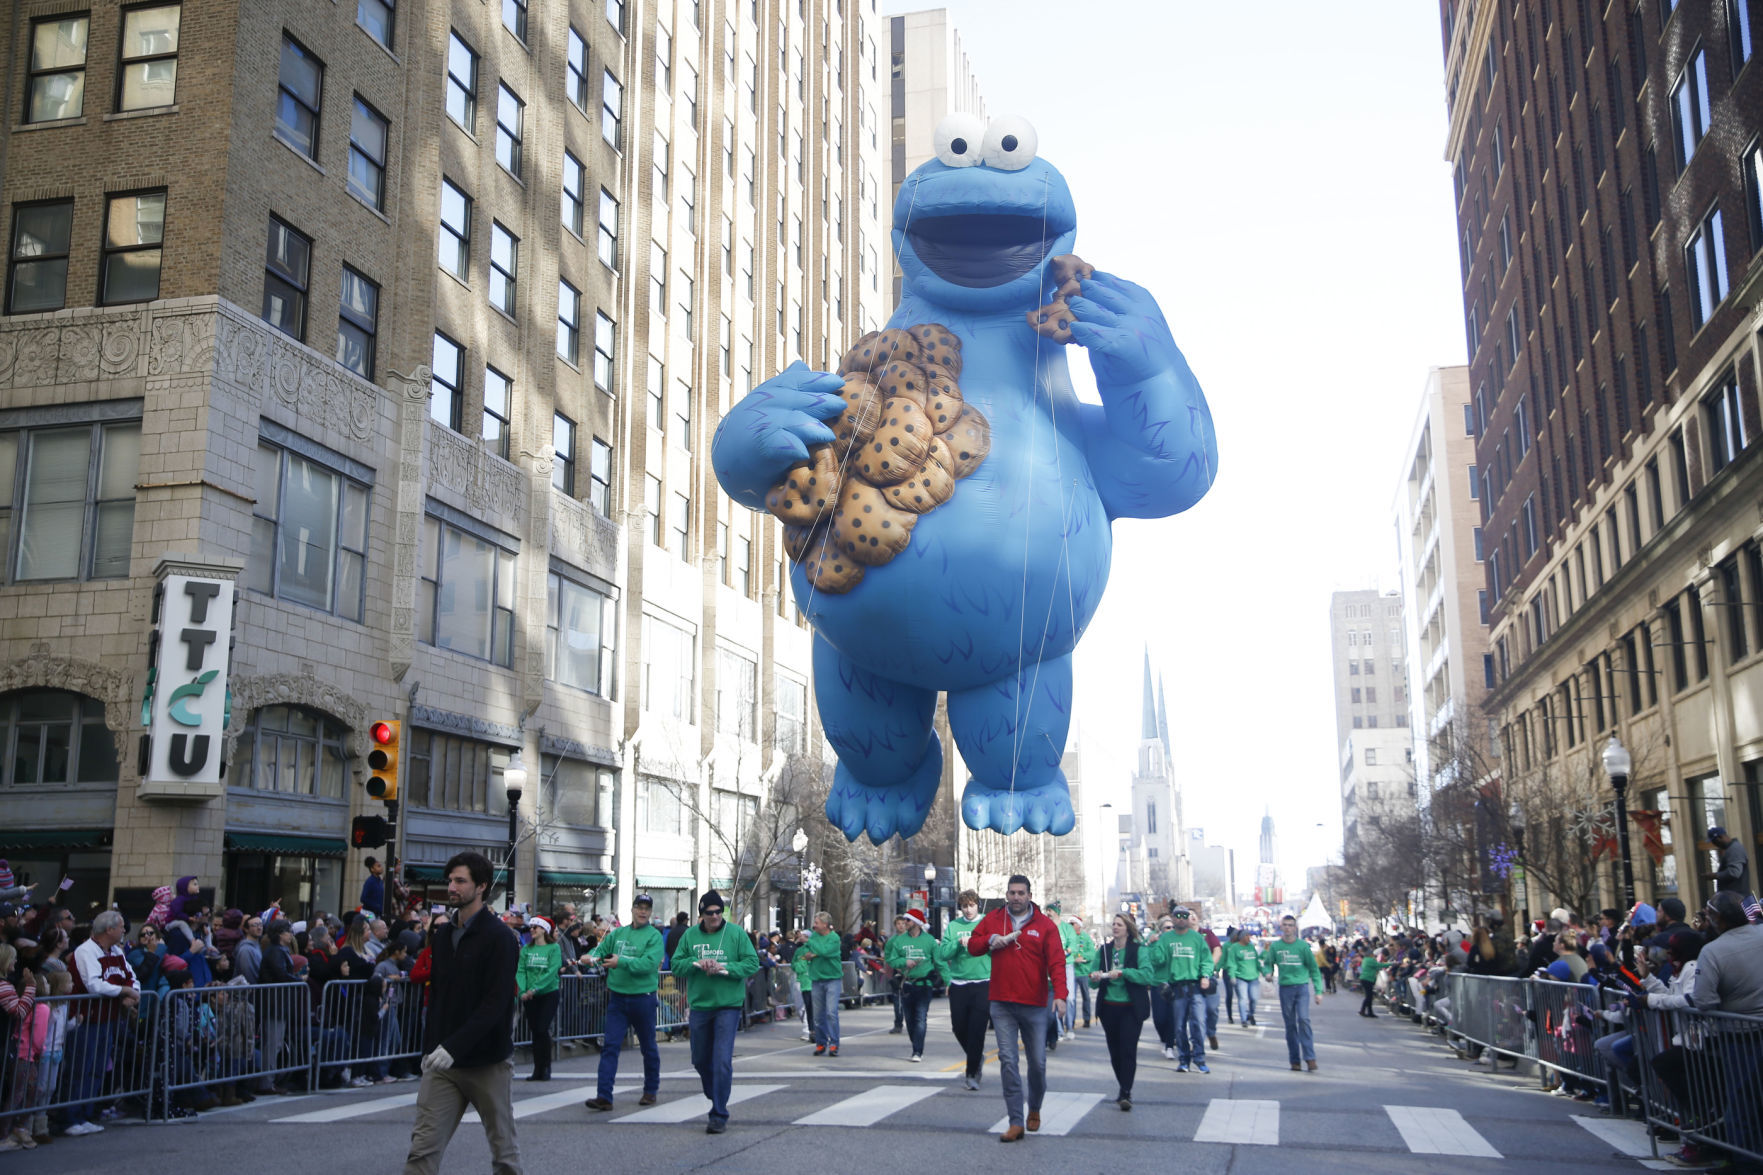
x=1022, y=971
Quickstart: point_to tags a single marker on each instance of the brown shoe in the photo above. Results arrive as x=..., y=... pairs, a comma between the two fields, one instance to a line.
x=1297, y=1068
x=1312, y=1065
x=1212, y=1043
x=1034, y=1119
x=598, y=1103
x=647, y=1099
x=1013, y=1134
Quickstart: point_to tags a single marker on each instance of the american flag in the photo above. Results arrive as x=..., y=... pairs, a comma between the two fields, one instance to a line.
x=1753, y=910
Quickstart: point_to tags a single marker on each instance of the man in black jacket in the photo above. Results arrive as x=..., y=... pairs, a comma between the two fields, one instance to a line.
x=468, y=1040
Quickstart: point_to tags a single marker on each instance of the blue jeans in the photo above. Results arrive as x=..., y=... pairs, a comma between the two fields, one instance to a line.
x=825, y=994
x=624, y=1012
x=1294, y=1005
x=1212, y=996
x=713, y=1054
x=1030, y=1022
x=1190, y=1023
x=1163, y=1017
x=89, y=1053
x=1245, y=998
x=915, y=1001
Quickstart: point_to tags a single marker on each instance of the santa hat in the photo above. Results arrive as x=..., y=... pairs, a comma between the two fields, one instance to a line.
x=540, y=923
x=917, y=916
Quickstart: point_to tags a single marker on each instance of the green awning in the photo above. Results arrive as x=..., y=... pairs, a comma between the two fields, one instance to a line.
x=563, y=877
x=425, y=873
x=54, y=838
x=656, y=881
x=729, y=883
x=286, y=846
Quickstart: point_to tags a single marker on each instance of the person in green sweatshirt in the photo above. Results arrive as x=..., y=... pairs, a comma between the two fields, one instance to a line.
x=632, y=956
x=799, y=962
x=1082, y=952
x=969, y=978
x=1123, y=982
x=913, y=956
x=1368, y=969
x=1242, y=970
x=1068, y=941
x=1299, y=979
x=716, y=960
x=1186, y=960
x=826, y=974
x=537, y=980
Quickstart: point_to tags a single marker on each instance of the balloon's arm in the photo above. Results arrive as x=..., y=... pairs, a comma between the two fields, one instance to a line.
x=1151, y=444
x=771, y=429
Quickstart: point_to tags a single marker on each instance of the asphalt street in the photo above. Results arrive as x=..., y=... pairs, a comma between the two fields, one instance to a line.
x=1387, y=1098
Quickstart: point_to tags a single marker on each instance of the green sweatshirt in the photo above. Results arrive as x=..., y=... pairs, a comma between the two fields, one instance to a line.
x=1242, y=961
x=799, y=963
x=639, y=951
x=539, y=968
x=958, y=965
x=1068, y=941
x=1081, y=952
x=1183, y=956
x=1369, y=968
x=729, y=946
x=913, y=957
x=1145, y=973
x=1294, y=961
x=826, y=962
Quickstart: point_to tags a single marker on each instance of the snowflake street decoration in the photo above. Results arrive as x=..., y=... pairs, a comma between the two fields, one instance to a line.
x=811, y=879
x=1592, y=824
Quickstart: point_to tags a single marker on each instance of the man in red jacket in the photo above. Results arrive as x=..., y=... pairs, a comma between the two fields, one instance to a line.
x=1027, y=959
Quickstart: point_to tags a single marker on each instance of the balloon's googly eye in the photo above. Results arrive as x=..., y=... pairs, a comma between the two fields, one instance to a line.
x=959, y=140
x=1010, y=144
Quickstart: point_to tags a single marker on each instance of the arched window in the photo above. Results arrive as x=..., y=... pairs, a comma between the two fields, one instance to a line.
x=54, y=736
x=290, y=750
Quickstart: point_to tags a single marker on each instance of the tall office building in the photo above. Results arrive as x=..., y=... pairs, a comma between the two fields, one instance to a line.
x=361, y=361
x=1609, y=210
x=1371, y=707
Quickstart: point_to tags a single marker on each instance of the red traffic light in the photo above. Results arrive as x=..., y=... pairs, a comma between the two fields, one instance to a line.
x=382, y=733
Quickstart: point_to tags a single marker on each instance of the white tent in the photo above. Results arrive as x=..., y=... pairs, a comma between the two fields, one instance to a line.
x=1315, y=917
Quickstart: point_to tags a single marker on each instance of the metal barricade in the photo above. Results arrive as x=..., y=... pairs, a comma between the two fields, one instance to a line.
x=581, y=1008
x=1702, y=1076
x=1566, y=1020
x=672, y=1015
x=367, y=1029
x=90, y=1055
x=1490, y=1012
x=232, y=1033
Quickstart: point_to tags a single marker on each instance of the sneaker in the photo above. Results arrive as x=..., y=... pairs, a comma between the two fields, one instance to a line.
x=806, y=1036
x=10, y=1143
x=1695, y=1158
x=916, y=1058
x=820, y=1050
x=408, y=1077
x=598, y=1103
x=648, y=1099
x=83, y=1128
x=388, y=1079
x=24, y=1139
x=896, y=1031
x=1201, y=1066
x=361, y=1082
x=1169, y=1052
x=833, y=1051
x=716, y=1126
x=969, y=1083
x=1182, y=1068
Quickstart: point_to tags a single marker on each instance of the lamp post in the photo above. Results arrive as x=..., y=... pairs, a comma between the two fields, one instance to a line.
x=930, y=895
x=1521, y=886
x=513, y=783
x=1618, y=763
x=799, y=842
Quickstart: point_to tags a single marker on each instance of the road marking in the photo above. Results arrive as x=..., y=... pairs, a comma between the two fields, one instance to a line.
x=1059, y=1112
x=832, y=1071
x=694, y=1106
x=1240, y=1122
x=1630, y=1138
x=351, y=1110
x=527, y=1107
x=868, y=1107
x=1429, y=1130
x=961, y=1066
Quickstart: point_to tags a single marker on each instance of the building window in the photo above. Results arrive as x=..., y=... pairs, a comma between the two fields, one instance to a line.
x=498, y=398
x=504, y=253
x=284, y=279
x=679, y=523
x=293, y=751
x=682, y=414
x=657, y=280
x=296, y=111
x=514, y=18
x=57, y=86
x=1689, y=107
x=669, y=669
x=581, y=628
x=574, y=208
x=792, y=716
x=576, y=83
x=467, y=602
x=1530, y=526
x=569, y=322
x=1739, y=27
x=652, y=508
x=615, y=15
x=605, y=353
x=1725, y=419
x=657, y=394
x=148, y=57
x=510, y=110
x=309, y=534
x=563, y=460
x=376, y=18
x=737, y=694
x=1705, y=265
x=53, y=736
x=600, y=478
x=579, y=794
x=660, y=159
x=67, y=500
x=36, y=279
x=367, y=154
x=612, y=110
x=134, y=232
x=455, y=774
x=461, y=83
x=357, y=323
x=447, y=383
x=608, y=230
x=455, y=231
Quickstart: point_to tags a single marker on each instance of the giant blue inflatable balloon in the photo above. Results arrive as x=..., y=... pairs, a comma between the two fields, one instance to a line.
x=948, y=499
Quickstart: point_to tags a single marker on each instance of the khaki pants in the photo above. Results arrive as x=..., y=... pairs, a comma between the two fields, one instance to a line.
x=441, y=1102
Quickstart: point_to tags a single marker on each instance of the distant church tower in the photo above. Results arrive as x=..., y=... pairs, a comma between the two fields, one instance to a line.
x=1156, y=814
x=1267, y=838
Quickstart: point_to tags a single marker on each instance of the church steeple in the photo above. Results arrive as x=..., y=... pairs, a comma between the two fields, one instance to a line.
x=1163, y=720
x=1150, y=725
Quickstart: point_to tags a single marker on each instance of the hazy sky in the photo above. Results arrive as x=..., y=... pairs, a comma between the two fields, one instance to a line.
x=1274, y=173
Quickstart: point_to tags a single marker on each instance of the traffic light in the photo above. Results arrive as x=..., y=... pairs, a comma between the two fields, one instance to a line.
x=369, y=832
x=382, y=760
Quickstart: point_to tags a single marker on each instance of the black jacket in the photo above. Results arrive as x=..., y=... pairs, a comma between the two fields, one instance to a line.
x=1139, y=994
x=472, y=993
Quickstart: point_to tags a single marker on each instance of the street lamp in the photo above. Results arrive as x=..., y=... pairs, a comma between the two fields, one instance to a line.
x=1521, y=891
x=930, y=896
x=799, y=843
x=513, y=783
x=1618, y=763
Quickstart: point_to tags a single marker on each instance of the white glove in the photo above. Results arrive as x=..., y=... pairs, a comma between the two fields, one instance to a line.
x=438, y=1061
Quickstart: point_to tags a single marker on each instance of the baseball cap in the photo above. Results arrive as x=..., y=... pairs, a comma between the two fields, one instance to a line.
x=1181, y=912
x=8, y=910
x=1716, y=832
x=641, y=899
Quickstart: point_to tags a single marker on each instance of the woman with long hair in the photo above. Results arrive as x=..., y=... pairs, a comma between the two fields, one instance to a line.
x=1123, y=1001
x=970, y=985
x=538, y=978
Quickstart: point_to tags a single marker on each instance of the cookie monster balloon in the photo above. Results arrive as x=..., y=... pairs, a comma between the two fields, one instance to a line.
x=949, y=500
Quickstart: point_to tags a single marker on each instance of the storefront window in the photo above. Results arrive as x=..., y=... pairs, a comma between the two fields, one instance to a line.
x=303, y=885
x=53, y=736
x=573, y=791
x=290, y=750
x=1708, y=802
x=1664, y=874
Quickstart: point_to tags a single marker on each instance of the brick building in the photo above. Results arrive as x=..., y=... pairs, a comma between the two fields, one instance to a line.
x=1606, y=161
x=407, y=326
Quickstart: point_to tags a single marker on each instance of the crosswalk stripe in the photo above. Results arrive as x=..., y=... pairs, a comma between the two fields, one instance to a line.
x=1240, y=1122
x=1628, y=1137
x=868, y=1107
x=527, y=1107
x=1430, y=1130
x=347, y=1110
x=1059, y=1112
x=695, y=1106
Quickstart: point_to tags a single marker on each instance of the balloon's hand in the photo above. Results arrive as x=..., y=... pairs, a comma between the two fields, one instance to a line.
x=771, y=429
x=1123, y=329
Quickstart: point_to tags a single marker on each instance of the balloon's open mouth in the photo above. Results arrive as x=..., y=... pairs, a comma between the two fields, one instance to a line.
x=980, y=250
